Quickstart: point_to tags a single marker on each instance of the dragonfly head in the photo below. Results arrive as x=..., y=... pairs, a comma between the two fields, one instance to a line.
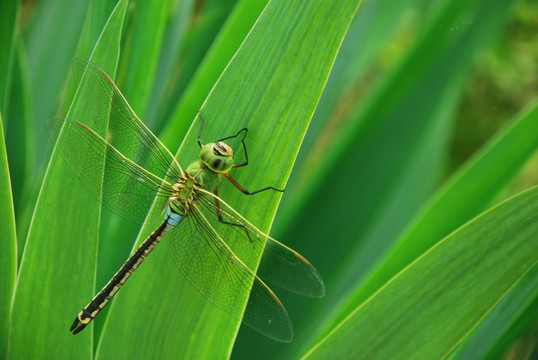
x=218, y=157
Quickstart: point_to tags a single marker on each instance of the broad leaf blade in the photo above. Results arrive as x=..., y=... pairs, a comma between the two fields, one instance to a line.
x=517, y=309
x=271, y=86
x=426, y=309
x=469, y=191
x=388, y=157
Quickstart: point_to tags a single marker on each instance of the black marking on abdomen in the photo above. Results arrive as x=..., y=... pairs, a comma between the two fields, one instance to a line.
x=100, y=300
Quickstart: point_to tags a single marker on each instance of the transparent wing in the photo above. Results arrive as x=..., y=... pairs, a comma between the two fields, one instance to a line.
x=219, y=261
x=213, y=269
x=279, y=264
x=130, y=190
x=115, y=121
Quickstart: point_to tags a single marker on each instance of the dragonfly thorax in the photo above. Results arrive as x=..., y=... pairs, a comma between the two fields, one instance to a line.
x=218, y=157
x=182, y=197
x=203, y=176
x=184, y=190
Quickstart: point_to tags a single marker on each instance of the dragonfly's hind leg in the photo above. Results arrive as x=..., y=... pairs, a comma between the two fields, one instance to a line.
x=245, y=191
x=221, y=219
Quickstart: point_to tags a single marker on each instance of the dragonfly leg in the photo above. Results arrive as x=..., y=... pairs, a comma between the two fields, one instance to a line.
x=245, y=163
x=245, y=191
x=221, y=219
x=201, y=128
x=243, y=130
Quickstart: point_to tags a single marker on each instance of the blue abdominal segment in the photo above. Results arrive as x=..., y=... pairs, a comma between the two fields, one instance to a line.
x=172, y=218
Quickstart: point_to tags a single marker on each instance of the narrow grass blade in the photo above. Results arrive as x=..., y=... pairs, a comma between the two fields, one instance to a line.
x=225, y=45
x=8, y=244
x=57, y=271
x=9, y=11
x=143, y=53
x=48, y=67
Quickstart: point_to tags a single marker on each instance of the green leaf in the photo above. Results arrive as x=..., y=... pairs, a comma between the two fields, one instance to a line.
x=225, y=45
x=143, y=51
x=8, y=244
x=388, y=129
x=271, y=86
x=9, y=11
x=386, y=159
x=441, y=296
x=58, y=23
x=57, y=270
x=197, y=40
x=469, y=191
x=517, y=307
x=174, y=36
x=20, y=144
x=142, y=45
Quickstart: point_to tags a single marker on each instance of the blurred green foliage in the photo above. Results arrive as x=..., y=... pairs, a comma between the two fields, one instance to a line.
x=426, y=123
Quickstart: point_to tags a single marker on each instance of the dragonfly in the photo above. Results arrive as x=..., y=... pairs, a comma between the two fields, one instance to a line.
x=128, y=169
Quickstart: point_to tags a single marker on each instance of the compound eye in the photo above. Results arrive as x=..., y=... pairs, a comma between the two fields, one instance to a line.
x=223, y=149
x=217, y=156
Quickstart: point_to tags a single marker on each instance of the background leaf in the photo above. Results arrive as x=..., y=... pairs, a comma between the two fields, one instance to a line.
x=426, y=120
x=388, y=155
x=8, y=14
x=508, y=319
x=8, y=257
x=469, y=190
x=442, y=295
x=67, y=213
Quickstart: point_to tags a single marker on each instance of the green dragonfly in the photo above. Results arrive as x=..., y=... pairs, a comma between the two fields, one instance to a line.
x=126, y=167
